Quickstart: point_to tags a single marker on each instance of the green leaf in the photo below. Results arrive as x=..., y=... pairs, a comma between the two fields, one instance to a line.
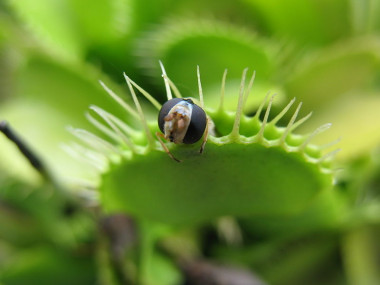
x=182, y=44
x=45, y=265
x=16, y=227
x=38, y=213
x=360, y=251
x=233, y=179
x=364, y=16
x=250, y=167
x=355, y=119
x=290, y=261
x=327, y=212
x=50, y=23
x=49, y=97
x=163, y=271
x=332, y=72
x=66, y=88
x=44, y=130
x=100, y=22
x=306, y=22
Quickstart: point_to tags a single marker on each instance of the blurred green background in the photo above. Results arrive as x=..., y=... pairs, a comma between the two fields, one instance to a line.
x=53, y=54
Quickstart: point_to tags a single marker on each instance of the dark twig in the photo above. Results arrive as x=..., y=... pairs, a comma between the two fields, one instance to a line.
x=72, y=204
x=7, y=130
x=120, y=231
x=202, y=272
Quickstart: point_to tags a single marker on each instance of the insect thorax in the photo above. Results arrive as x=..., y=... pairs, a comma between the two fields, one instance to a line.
x=177, y=122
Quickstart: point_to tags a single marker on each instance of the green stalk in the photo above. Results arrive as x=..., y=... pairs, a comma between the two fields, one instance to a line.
x=147, y=241
x=359, y=257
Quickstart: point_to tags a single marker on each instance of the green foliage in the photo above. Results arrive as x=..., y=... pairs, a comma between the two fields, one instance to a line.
x=185, y=194
x=47, y=265
x=261, y=196
x=204, y=187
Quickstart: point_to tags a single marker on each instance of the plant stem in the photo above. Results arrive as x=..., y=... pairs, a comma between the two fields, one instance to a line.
x=147, y=240
x=359, y=257
x=29, y=154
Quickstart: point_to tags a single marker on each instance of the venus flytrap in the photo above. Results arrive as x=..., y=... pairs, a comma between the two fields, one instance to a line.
x=250, y=167
x=194, y=39
x=275, y=184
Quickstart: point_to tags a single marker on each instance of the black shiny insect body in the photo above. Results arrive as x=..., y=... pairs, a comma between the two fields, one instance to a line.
x=182, y=121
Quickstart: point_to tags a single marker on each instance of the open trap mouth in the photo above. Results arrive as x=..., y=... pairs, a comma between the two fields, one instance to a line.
x=263, y=162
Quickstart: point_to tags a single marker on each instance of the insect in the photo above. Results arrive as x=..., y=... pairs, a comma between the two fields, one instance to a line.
x=182, y=121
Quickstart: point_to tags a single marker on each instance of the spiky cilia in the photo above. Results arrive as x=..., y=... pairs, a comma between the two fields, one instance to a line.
x=250, y=166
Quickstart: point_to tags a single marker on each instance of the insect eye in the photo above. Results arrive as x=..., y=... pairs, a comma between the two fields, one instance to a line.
x=189, y=101
x=197, y=125
x=165, y=109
